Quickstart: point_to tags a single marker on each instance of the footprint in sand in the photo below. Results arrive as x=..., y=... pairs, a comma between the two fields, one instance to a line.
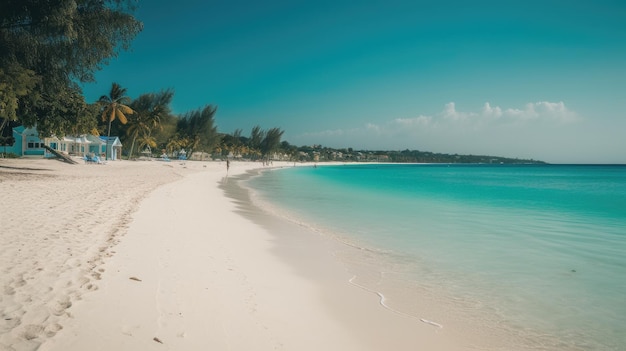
x=8, y=290
x=52, y=329
x=82, y=281
x=9, y=323
x=58, y=307
x=32, y=331
x=19, y=282
x=91, y=287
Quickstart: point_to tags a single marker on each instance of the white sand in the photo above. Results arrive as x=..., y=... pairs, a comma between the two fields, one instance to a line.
x=88, y=265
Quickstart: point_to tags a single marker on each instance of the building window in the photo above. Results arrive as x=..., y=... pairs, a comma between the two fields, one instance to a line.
x=34, y=145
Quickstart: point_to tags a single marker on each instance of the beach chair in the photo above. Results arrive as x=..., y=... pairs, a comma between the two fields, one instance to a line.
x=88, y=159
x=93, y=159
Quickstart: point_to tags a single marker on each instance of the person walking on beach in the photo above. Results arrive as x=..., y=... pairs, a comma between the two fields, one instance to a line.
x=227, y=165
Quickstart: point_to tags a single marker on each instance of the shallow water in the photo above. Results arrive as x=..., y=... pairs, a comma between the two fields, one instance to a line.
x=533, y=254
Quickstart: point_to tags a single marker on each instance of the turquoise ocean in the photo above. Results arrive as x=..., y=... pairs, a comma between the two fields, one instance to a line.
x=534, y=255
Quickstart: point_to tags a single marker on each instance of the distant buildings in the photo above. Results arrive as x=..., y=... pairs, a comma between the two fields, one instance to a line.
x=28, y=143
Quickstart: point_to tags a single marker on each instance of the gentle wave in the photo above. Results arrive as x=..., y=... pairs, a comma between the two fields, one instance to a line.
x=544, y=246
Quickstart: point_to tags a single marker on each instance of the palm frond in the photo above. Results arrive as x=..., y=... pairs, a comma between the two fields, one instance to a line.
x=120, y=116
x=125, y=109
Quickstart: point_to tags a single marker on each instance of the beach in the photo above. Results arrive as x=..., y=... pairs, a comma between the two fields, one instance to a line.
x=153, y=255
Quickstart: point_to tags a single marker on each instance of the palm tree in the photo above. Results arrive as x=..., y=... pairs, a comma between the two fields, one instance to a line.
x=198, y=127
x=149, y=110
x=136, y=128
x=147, y=141
x=271, y=142
x=176, y=143
x=115, y=106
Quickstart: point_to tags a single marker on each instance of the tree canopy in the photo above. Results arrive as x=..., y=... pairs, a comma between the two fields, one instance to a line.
x=197, y=131
x=271, y=142
x=47, y=47
x=149, y=109
x=114, y=105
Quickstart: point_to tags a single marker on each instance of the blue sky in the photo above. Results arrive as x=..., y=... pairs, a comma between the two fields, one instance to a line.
x=530, y=79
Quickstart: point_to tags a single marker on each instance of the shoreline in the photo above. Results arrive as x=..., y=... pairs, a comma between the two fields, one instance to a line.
x=187, y=271
x=316, y=256
x=398, y=287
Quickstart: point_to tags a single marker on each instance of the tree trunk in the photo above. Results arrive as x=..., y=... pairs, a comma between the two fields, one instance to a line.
x=132, y=146
x=106, y=147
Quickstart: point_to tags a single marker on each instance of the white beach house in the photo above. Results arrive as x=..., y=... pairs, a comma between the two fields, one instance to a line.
x=28, y=143
x=82, y=145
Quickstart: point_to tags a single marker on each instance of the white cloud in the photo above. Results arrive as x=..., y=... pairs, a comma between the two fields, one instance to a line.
x=450, y=120
x=491, y=112
x=543, y=110
x=539, y=111
x=449, y=112
x=420, y=121
x=528, y=131
x=373, y=127
x=555, y=110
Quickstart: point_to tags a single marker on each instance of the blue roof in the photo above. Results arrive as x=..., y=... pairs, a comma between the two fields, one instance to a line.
x=111, y=140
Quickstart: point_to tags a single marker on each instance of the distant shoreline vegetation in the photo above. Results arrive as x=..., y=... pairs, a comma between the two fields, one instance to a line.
x=325, y=154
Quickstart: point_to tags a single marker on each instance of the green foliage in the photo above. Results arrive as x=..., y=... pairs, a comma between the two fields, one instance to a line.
x=166, y=131
x=271, y=142
x=149, y=110
x=146, y=142
x=47, y=46
x=406, y=156
x=196, y=130
x=288, y=149
x=114, y=106
x=59, y=111
x=256, y=137
x=65, y=38
x=233, y=143
x=261, y=142
x=15, y=83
